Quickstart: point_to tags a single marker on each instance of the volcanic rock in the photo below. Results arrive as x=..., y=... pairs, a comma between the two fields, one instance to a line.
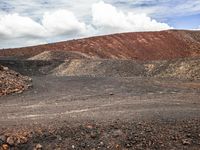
x=160, y=45
x=12, y=82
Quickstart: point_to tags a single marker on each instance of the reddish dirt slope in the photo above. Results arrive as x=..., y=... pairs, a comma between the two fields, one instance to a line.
x=139, y=45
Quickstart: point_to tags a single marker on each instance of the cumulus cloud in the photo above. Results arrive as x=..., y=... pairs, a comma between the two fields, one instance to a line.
x=108, y=19
x=14, y=25
x=62, y=22
x=52, y=24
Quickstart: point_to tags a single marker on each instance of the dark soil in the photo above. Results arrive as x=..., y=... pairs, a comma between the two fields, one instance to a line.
x=116, y=135
x=105, y=103
x=102, y=113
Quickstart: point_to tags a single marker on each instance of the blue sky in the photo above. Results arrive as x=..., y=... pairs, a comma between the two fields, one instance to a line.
x=32, y=22
x=185, y=21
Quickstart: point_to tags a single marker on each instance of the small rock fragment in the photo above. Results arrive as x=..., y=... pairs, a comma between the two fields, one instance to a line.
x=38, y=147
x=89, y=126
x=2, y=138
x=117, y=133
x=128, y=145
x=5, y=147
x=117, y=146
x=59, y=137
x=101, y=143
x=111, y=93
x=5, y=68
x=10, y=141
x=93, y=134
x=22, y=140
x=186, y=142
x=73, y=146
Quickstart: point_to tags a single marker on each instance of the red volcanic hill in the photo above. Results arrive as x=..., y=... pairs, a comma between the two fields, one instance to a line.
x=138, y=45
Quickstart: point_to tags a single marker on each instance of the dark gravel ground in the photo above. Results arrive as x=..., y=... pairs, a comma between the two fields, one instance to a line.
x=168, y=134
x=102, y=113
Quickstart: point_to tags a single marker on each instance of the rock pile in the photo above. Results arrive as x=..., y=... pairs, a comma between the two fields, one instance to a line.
x=188, y=69
x=12, y=82
x=183, y=69
x=59, y=55
x=100, y=68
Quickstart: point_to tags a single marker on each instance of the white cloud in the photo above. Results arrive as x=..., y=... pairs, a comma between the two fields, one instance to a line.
x=109, y=19
x=62, y=22
x=13, y=26
x=53, y=24
x=157, y=8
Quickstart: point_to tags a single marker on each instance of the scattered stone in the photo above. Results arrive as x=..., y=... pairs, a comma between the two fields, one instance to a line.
x=59, y=137
x=117, y=146
x=73, y=146
x=93, y=134
x=101, y=143
x=38, y=147
x=128, y=145
x=12, y=82
x=3, y=138
x=89, y=126
x=5, y=147
x=83, y=145
x=117, y=133
x=186, y=142
x=22, y=140
x=10, y=141
x=111, y=94
x=5, y=68
x=174, y=137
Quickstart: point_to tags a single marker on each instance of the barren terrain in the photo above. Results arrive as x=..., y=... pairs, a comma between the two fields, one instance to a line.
x=103, y=113
x=139, y=45
x=123, y=91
